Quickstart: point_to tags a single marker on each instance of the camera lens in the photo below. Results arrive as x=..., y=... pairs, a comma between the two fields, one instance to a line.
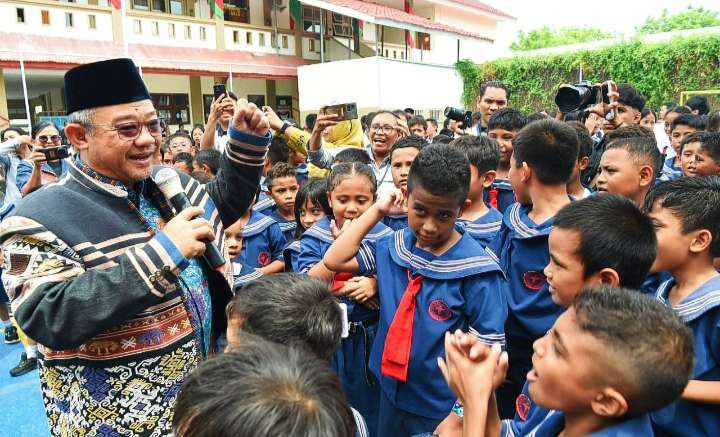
x=454, y=113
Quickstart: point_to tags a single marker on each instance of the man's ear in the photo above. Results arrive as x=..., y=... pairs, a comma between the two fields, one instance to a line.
x=329, y=197
x=488, y=178
x=609, y=403
x=76, y=135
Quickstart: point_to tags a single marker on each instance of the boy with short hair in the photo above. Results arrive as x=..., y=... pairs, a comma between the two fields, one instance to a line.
x=706, y=160
x=255, y=241
x=180, y=142
x=279, y=151
x=575, y=187
x=686, y=214
x=432, y=278
x=481, y=221
x=629, y=167
x=608, y=362
x=543, y=159
x=688, y=150
x=262, y=388
x=183, y=161
x=283, y=186
x=402, y=155
x=502, y=127
x=681, y=127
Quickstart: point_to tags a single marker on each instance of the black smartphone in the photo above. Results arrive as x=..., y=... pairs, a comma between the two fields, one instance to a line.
x=54, y=153
x=344, y=111
x=218, y=90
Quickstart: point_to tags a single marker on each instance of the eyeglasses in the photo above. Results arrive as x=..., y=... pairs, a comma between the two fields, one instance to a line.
x=47, y=139
x=387, y=129
x=130, y=131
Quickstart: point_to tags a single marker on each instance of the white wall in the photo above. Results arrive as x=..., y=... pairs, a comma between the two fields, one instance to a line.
x=33, y=21
x=163, y=37
x=255, y=45
x=378, y=83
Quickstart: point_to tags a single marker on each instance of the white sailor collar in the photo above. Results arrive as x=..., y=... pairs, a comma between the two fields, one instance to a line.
x=697, y=303
x=257, y=223
x=465, y=258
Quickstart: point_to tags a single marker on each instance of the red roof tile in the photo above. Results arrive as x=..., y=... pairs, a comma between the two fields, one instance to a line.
x=398, y=16
x=63, y=53
x=484, y=7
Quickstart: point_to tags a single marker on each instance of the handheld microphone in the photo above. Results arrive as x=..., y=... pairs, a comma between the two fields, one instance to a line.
x=169, y=183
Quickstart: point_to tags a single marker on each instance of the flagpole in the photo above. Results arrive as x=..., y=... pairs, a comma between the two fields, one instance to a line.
x=122, y=20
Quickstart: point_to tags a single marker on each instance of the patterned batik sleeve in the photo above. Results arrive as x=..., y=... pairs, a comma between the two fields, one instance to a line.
x=365, y=258
x=60, y=303
x=485, y=307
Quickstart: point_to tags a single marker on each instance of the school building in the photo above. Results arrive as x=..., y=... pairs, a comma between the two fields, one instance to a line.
x=289, y=54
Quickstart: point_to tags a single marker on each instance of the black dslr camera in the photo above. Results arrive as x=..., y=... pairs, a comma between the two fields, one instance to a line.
x=583, y=95
x=464, y=117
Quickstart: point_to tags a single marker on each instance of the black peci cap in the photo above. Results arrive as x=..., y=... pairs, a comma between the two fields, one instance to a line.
x=103, y=83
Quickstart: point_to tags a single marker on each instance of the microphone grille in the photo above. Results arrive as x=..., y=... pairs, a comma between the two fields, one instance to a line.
x=168, y=181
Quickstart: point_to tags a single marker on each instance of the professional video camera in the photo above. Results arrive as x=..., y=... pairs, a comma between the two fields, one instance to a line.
x=464, y=117
x=583, y=95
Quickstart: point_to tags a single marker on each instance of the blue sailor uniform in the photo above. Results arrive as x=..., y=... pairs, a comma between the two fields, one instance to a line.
x=461, y=289
x=290, y=255
x=263, y=242
x=265, y=203
x=669, y=171
x=350, y=361
x=242, y=274
x=701, y=313
x=550, y=423
x=521, y=249
x=286, y=226
x=484, y=229
x=503, y=192
x=396, y=221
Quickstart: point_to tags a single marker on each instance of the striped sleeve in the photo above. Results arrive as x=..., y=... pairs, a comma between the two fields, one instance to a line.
x=60, y=302
x=365, y=258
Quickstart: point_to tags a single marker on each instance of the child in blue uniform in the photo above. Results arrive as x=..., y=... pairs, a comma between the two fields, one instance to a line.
x=610, y=360
x=503, y=126
x=283, y=186
x=311, y=206
x=402, y=155
x=542, y=162
x=629, y=164
x=279, y=151
x=586, y=250
x=256, y=242
x=479, y=220
x=706, y=157
x=432, y=279
x=686, y=214
x=351, y=191
x=682, y=126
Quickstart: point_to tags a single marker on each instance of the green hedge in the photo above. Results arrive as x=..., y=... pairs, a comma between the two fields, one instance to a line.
x=659, y=70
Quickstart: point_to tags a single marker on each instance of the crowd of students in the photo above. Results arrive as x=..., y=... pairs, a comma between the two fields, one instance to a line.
x=532, y=274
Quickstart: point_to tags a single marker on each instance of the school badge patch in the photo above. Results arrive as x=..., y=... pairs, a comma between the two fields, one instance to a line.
x=522, y=406
x=533, y=280
x=263, y=259
x=439, y=310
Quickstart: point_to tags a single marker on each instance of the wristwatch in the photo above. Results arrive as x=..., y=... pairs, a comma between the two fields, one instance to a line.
x=285, y=125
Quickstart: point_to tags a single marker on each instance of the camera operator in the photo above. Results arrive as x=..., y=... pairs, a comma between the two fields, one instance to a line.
x=626, y=105
x=38, y=170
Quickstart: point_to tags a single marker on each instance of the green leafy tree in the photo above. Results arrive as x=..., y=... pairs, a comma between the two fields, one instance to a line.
x=549, y=37
x=693, y=18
